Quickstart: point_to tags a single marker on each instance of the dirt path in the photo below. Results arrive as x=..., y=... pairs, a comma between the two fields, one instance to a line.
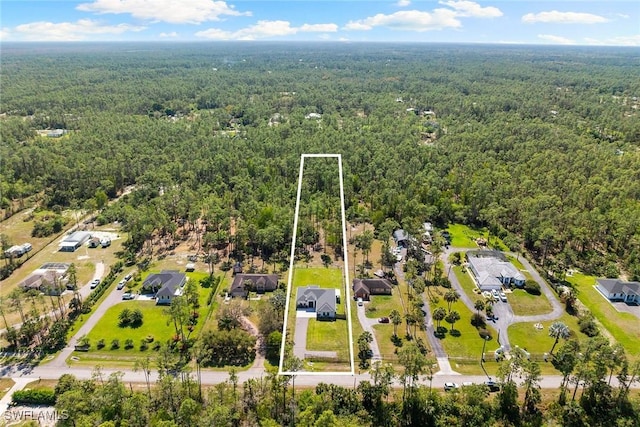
x=258, y=362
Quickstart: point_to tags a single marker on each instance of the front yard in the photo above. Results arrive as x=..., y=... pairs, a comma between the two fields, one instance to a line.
x=624, y=327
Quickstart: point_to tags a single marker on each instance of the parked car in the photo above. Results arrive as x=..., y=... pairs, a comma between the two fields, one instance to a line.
x=128, y=277
x=467, y=384
x=127, y=296
x=121, y=284
x=95, y=283
x=360, y=302
x=503, y=296
x=450, y=386
x=495, y=294
x=493, y=386
x=383, y=320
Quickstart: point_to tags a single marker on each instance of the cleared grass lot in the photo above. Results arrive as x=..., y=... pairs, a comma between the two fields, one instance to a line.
x=463, y=236
x=624, y=327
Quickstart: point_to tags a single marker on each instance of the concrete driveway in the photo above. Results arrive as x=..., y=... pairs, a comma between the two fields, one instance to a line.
x=367, y=325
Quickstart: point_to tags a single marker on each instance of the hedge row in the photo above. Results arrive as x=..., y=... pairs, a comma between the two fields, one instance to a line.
x=34, y=397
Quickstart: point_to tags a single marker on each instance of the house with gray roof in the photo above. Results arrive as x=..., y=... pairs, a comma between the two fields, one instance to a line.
x=320, y=300
x=167, y=285
x=493, y=273
x=619, y=290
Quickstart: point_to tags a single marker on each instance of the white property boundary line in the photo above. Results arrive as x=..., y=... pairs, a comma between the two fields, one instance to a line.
x=347, y=300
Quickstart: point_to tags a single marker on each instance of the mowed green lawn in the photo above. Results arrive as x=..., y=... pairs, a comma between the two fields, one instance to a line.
x=624, y=327
x=469, y=343
x=463, y=236
x=155, y=323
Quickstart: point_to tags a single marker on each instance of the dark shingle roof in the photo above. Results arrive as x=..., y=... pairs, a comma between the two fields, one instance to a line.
x=266, y=282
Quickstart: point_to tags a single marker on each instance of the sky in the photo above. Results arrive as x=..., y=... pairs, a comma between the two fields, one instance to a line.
x=615, y=23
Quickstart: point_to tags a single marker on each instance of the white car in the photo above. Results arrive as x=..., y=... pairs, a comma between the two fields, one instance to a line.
x=450, y=386
x=121, y=284
x=95, y=283
x=503, y=296
x=495, y=294
x=360, y=302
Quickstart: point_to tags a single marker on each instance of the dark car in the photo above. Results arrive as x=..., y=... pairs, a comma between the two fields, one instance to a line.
x=383, y=320
x=493, y=386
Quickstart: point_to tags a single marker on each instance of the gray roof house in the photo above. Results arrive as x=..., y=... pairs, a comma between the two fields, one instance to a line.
x=619, y=290
x=321, y=300
x=167, y=285
x=492, y=273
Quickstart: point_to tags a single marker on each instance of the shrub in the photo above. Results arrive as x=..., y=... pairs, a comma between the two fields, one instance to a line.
x=588, y=326
x=157, y=346
x=115, y=344
x=132, y=318
x=124, y=317
x=34, y=397
x=143, y=345
x=100, y=344
x=128, y=344
x=532, y=287
x=149, y=338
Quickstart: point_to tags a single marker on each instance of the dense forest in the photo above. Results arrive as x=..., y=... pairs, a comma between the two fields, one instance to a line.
x=539, y=144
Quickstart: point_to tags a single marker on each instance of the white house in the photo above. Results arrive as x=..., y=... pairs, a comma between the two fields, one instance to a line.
x=493, y=273
x=619, y=290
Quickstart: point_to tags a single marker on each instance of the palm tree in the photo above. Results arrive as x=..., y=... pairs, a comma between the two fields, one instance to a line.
x=452, y=318
x=558, y=330
x=479, y=306
x=450, y=297
x=438, y=315
x=396, y=319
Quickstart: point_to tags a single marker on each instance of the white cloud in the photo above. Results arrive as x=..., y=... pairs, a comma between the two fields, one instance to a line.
x=4, y=33
x=555, y=39
x=403, y=3
x=409, y=20
x=466, y=8
x=173, y=11
x=169, y=35
x=266, y=29
x=82, y=29
x=416, y=20
x=556, y=17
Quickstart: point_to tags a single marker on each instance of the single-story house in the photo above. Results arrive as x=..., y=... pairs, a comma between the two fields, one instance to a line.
x=244, y=283
x=321, y=300
x=401, y=238
x=493, y=273
x=619, y=290
x=364, y=288
x=167, y=285
x=50, y=278
x=74, y=241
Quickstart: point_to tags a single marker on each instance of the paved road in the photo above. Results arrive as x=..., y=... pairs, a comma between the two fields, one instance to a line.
x=434, y=341
x=367, y=325
x=114, y=297
x=300, y=337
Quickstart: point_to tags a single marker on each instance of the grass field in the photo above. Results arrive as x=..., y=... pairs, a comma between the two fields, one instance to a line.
x=5, y=386
x=537, y=341
x=463, y=236
x=525, y=304
x=624, y=327
x=155, y=324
